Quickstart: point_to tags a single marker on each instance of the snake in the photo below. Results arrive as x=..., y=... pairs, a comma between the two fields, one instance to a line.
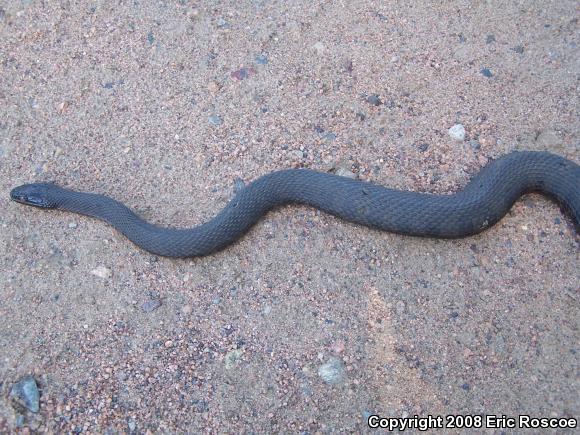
x=484, y=200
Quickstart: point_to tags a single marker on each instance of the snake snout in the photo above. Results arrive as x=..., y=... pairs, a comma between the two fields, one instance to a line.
x=37, y=195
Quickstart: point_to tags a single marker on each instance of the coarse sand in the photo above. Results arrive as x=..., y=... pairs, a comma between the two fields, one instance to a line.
x=308, y=324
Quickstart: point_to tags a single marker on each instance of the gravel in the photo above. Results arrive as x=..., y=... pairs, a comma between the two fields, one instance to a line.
x=399, y=323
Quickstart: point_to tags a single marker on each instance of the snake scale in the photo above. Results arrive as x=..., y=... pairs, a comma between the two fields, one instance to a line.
x=483, y=201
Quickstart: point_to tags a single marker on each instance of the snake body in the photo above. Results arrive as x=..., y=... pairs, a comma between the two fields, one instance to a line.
x=484, y=201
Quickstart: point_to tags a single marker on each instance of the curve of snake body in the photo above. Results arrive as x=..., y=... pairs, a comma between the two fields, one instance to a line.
x=484, y=201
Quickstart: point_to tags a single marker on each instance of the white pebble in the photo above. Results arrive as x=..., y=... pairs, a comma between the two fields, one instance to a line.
x=344, y=172
x=457, y=132
x=102, y=272
x=319, y=47
x=299, y=154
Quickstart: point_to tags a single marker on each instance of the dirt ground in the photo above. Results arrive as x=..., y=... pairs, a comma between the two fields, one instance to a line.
x=308, y=324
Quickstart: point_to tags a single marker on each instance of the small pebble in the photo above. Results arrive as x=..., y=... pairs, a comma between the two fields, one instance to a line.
x=348, y=66
x=519, y=49
x=239, y=185
x=423, y=147
x=261, y=59
x=150, y=38
x=332, y=372
x=213, y=87
x=457, y=132
x=338, y=346
x=102, y=272
x=400, y=308
x=232, y=357
x=343, y=172
x=186, y=309
x=215, y=120
x=489, y=39
x=475, y=145
x=151, y=305
x=242, y=73
x=374, y=100
x=319, y=47
x=298, y=154
x=486, y=72
x=25, y=394
x=20, y=420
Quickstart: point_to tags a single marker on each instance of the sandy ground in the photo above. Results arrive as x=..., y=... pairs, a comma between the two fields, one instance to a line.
x=308, y=324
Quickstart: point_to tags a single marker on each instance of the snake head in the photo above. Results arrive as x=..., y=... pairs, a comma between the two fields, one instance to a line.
x=36, y=194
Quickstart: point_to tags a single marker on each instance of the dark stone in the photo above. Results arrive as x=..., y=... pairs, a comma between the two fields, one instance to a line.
x=486, y=72
x=374, y=100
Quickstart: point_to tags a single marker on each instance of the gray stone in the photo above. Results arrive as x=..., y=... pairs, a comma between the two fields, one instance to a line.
x=25, y=395
x=151, y=305
x=344, y=172
x=486, y=72
x=374, y=100
x=332, y=372
x=261, y=59
x=215, y=120
x=232, y=357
